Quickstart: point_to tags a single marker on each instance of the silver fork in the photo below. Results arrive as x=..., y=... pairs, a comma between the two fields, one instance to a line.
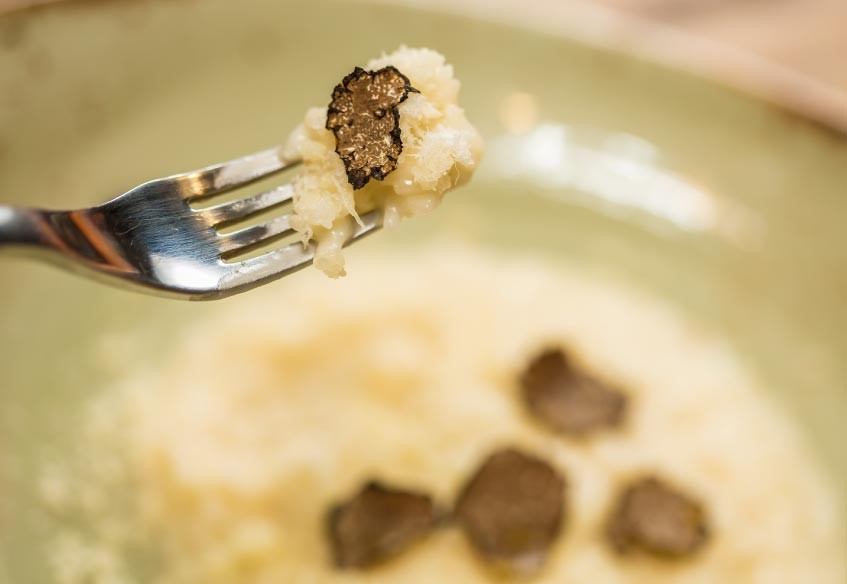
x=151, y=239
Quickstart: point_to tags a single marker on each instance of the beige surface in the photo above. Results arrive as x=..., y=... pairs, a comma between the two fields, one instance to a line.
x=807, y=35
x=729, y=54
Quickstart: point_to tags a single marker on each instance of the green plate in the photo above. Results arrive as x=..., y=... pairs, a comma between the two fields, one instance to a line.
x=729, y=207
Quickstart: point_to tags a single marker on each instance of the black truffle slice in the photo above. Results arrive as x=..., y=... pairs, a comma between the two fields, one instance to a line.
x=512, y=510
x=364, y=117
x=377, y=523
x=569, y=400
x=656, y=518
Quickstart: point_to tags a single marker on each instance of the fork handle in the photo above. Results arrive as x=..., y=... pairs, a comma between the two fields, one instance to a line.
x=24, y=227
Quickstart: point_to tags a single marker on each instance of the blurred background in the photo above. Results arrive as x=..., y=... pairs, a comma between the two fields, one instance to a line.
x=807, y=35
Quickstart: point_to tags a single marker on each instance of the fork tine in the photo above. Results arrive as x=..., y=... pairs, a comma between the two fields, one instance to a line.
x=254, y=235
x=244, y=208
x=281, y=262
x=223, y=177
x=264, y=268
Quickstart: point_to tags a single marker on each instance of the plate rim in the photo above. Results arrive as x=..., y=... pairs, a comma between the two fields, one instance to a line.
x=787, y=90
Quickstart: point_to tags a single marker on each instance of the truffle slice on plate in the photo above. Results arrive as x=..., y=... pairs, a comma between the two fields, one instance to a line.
x=568, y=400
x=376, y=524
x=654, y=517
x=512, y=510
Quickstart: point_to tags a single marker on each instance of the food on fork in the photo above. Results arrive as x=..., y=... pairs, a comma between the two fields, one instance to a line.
x=393, y=138
x=383, y=150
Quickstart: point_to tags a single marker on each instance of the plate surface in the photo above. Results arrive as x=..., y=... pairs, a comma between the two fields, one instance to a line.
x=728, y=207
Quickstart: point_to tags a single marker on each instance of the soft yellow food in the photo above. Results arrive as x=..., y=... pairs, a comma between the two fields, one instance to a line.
x=441, y=149
x=292, y=397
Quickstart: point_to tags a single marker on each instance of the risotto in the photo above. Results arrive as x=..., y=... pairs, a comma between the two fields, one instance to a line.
x=292, y=399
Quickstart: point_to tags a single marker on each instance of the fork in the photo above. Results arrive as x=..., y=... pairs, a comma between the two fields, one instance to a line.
x=152, y=239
